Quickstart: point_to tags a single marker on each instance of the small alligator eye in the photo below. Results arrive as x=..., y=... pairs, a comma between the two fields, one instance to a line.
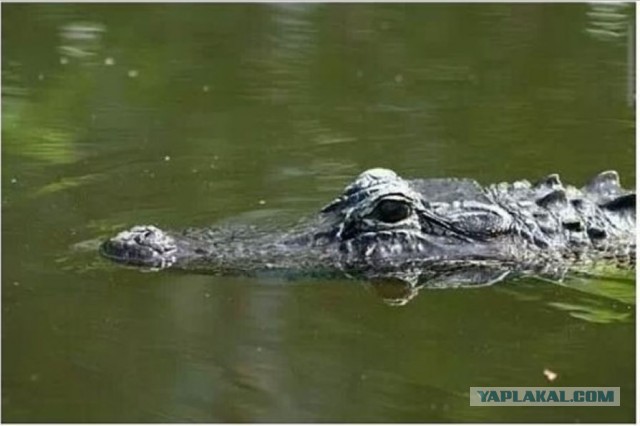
x=391, y=211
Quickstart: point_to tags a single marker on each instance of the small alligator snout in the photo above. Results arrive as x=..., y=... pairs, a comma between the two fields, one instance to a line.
x=141, y=246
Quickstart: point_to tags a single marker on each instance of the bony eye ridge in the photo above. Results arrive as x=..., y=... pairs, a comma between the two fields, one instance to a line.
x=391, y=211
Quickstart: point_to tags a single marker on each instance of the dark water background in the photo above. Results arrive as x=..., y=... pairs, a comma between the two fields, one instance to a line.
x=185, y=115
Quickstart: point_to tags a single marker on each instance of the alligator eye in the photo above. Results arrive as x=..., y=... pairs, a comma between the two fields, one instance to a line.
x=391, y=211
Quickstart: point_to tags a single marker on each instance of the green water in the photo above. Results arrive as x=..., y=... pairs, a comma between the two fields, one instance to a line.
x=115, y=115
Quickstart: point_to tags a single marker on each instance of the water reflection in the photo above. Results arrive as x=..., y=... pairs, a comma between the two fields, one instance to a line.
x=609, y=21
x=602, y=301
x=80, y=40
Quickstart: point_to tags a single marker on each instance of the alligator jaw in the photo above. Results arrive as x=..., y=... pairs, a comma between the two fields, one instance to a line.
x=145, y=246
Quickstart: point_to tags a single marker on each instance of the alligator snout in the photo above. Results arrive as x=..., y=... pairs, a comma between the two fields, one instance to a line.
x=146, y=246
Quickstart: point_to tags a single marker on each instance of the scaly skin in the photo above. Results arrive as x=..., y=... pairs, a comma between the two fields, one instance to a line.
x=440, y=232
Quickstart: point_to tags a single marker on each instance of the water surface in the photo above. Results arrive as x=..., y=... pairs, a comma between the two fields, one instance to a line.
x=190, y=115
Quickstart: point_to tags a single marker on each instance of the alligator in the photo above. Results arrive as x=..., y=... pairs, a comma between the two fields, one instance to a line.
x=441, y=232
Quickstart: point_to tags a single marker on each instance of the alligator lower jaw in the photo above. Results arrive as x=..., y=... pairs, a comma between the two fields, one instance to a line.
x=145, y=246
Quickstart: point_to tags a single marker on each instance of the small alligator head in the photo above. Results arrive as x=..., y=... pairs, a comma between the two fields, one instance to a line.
x=382, y=225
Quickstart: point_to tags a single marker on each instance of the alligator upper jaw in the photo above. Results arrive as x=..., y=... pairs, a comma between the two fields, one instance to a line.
x=222, y=251
x=150, y=247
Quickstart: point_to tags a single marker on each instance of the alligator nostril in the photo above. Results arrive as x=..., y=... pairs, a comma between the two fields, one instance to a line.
x=573, y=225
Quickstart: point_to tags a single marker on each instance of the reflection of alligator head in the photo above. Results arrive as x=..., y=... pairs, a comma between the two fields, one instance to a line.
x=434, y=232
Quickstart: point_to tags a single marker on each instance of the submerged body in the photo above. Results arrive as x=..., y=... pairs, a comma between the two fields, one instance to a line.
x=437, y=232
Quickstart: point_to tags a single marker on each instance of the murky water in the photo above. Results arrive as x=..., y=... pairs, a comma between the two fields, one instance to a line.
x=115, y=115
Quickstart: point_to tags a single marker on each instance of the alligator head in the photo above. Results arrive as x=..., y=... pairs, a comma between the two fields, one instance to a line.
x=445, y=232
